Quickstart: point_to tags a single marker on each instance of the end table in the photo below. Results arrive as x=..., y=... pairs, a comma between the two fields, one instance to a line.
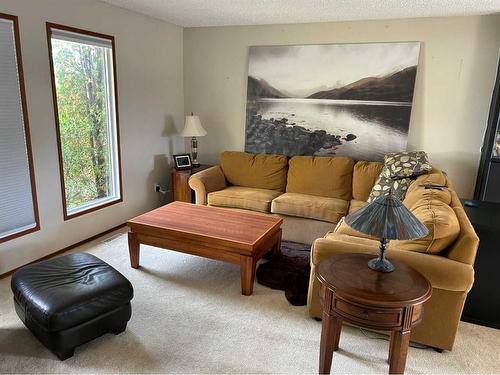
x=352, y=292
x=180, y=187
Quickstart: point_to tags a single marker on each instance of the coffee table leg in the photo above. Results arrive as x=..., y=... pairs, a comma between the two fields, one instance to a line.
x=133, y=249
x=330, y=337
x=276, y=249
x=398, y=351
x=247, y=271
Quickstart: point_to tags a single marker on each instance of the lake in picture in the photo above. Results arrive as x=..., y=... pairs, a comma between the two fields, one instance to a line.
x=379, y=127
x=330, y=99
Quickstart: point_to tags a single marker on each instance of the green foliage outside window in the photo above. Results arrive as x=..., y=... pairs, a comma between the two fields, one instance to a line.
x=81, y=99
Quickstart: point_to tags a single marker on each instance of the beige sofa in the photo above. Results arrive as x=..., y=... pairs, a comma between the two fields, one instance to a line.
x=313, y=194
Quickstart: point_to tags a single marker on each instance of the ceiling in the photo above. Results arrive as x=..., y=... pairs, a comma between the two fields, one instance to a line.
x=196, y=13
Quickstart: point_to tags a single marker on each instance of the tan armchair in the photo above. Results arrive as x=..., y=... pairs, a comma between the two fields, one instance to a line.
x=207, y=181
x=450, y=273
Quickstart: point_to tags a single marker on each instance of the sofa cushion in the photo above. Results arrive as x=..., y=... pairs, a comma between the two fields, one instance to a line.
x=321, y=176
x=364, y=175
x=243, y=197
x=416, y=193
x=310, y=206
x=254, y=171
x=442, y=223
x=434, y=177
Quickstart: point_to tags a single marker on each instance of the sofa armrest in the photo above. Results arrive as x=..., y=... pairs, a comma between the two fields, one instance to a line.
x=207, y=181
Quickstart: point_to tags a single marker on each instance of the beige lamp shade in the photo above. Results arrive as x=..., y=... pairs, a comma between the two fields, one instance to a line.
x=193, y=128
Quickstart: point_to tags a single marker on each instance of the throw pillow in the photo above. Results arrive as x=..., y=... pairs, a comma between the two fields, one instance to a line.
x=406, y=164
x=384, y=184
x=399, y=171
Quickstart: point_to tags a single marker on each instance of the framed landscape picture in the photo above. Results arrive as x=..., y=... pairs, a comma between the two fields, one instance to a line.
x=332, y=99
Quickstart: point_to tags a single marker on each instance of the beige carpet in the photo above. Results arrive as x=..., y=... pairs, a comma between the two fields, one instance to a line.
x=189, y=317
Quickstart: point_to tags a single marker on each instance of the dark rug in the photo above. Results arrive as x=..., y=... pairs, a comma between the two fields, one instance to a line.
x=288, y=271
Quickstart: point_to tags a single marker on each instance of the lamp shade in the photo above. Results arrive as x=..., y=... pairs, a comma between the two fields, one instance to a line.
x=387, y=217
x=193, y=128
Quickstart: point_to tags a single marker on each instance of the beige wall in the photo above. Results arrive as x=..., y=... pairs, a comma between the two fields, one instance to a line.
x=149, y=69
x=453, y=90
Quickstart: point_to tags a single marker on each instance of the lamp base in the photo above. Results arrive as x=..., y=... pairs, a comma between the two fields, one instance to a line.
x=381, y=265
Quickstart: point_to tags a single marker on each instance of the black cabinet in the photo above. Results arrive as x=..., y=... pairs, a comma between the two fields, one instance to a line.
x=483, y=302
x=492, y=185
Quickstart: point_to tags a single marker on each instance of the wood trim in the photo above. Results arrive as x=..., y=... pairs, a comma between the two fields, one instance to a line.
x=194, y=247
x=489, y=138
x=49, y=27
x=27, y=134
x=67, y=248
x=184, y=236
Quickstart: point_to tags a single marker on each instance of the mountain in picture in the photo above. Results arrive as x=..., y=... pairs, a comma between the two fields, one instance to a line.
x=259, y=88
x=396, y=87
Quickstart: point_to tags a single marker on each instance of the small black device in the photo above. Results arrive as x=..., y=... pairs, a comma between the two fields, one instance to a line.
x=434, y=186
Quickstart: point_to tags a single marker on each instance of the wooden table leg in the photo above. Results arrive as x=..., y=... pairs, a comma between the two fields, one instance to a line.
x=330, y=337
x=391, y=342
x=276, y=249
x=247, y=271
x=133, y=249
x=398, y=351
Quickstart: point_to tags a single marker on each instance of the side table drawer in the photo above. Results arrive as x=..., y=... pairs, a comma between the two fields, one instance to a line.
x=368, y=316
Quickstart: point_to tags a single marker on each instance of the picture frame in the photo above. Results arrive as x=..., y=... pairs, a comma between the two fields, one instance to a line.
x=182, y=161
x=348, y=99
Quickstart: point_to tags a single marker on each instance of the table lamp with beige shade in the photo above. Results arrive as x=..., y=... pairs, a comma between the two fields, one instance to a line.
x=193, y=129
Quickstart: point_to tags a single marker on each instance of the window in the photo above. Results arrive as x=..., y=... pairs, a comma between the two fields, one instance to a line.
x=18, y=205
x=85, y=105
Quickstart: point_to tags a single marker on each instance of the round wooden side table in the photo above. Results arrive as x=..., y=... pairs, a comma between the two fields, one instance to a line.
x=352, y=292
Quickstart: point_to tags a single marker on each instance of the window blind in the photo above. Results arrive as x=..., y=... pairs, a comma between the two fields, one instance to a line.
x=17, y=212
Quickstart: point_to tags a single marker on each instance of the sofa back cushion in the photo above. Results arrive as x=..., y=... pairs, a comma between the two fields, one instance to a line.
x=321, y=175
x=363, y=178
x=254, y=171
x=439, y=218
x=417, y=191
x=434, y=177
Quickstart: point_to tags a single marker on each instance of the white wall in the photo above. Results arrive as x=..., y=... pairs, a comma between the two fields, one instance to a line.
x=455, y=80
x=150, y=94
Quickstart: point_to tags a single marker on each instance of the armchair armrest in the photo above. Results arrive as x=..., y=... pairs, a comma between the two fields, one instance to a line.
x=207, y=181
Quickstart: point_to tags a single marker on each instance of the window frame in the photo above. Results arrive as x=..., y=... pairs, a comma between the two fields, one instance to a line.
x=27, y=135
x=67, y=216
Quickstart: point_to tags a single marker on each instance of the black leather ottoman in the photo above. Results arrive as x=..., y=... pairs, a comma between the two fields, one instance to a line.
x=70, y=300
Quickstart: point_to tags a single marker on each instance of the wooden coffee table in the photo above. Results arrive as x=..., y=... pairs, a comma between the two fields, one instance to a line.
x=356, y=294
x=216, y=233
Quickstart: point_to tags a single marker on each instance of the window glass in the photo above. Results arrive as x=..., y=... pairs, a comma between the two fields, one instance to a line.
x=83, y=74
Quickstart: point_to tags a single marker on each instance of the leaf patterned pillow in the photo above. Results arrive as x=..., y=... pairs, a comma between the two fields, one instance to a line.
x=383, y=185
x=406, y=164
